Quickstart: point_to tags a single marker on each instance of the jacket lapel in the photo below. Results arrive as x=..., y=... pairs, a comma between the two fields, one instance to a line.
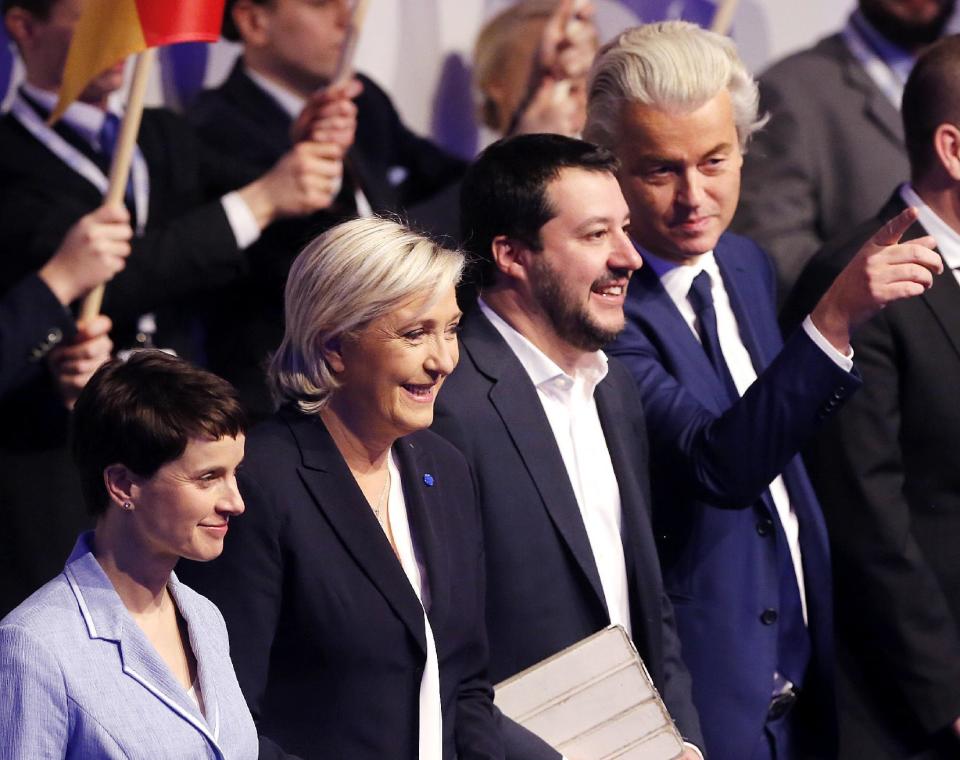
x=943, y=298
x=337, y=495
x=675, y=339
x=201, y=645
x=876, y=105
x=742, y=291
x=106, y=618
x=272, y=123
x=425, y=517
x=516, y=401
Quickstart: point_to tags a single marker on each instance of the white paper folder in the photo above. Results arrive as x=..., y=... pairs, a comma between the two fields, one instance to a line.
x=593, y=701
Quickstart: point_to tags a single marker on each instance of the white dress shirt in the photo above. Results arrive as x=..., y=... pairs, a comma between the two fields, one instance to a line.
x=293, y=104
x=948, y=239
x=572, y=412
x=87, y=121
x=431, y=718
x=676, y=280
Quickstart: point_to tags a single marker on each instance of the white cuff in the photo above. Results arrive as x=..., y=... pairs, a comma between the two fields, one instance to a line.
x=244, y=224
x=843, y=361
x=695, y=748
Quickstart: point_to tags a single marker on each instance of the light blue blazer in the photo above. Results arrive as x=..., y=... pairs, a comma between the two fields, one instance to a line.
x=78, y=678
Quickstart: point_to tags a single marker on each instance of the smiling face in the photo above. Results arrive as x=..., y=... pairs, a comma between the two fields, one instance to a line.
x=579, y=277
x=184, y=508
x=391, y=371
x=680, y=175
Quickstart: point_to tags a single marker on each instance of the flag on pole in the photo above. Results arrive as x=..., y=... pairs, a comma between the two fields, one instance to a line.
x=110, y=30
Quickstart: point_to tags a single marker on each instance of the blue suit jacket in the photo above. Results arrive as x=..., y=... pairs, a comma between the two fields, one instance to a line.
x=543, y=587
x=710, y=467
x=79, y=679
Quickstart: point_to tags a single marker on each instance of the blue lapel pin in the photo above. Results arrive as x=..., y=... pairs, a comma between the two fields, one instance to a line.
x=428, y=479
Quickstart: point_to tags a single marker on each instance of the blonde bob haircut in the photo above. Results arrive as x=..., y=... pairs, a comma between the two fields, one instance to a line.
x=341, y=282
x=672, y=65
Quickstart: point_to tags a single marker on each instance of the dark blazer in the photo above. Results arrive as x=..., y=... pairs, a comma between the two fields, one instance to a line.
x=832, y=148
x=543, y=588
x=394, y=167
x=887, y=470
x=714, y=520
x=32, y=321
x=326, y=633
x=187, y=249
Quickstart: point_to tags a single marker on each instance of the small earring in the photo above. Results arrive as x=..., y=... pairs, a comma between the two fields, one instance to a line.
x=128, y=506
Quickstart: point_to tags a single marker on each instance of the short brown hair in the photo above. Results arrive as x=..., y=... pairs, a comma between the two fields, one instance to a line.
x=931, y=97
x=142, y=413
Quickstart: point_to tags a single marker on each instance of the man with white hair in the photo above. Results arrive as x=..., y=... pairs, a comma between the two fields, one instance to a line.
x=741, y=538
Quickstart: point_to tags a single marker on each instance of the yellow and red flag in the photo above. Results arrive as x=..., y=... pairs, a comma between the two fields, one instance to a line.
x=110, y=30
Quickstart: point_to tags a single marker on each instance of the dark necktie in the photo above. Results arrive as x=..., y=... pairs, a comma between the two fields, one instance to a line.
x=107, y=139
x=701, y=298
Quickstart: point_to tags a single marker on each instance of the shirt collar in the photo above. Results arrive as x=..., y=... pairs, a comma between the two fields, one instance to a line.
x=85, y=119
x=678, y=278
x=899, y=60
x=541, y=368
x=948, y=239
x=288, y=100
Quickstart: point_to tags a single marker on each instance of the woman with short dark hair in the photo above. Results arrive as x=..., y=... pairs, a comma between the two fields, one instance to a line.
x=115, y=658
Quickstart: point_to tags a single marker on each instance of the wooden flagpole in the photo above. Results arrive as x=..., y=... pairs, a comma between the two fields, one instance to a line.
x=723, y=18
x=345, y=65
x=123, y=157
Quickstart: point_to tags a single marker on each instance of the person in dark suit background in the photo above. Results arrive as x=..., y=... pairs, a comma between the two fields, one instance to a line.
x=555, y=435
x=185, y=245
x=834, y=143
x=353, y=595
x=886, y=469
x=35, y=320
x=742, y=541
x=276, y=92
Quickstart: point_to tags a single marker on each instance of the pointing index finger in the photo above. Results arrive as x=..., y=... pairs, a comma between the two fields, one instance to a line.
x=892, y=231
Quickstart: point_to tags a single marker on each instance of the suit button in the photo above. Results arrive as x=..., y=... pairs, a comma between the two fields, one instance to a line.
x=765, y=526
x=768, y=617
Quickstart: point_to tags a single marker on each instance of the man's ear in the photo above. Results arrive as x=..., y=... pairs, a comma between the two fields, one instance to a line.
x=123, y=486
x=511, y=257
x=946, y=142
x=252, y=21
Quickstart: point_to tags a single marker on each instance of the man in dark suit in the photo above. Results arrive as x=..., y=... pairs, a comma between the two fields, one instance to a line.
x=185, y=246
x=276, y=92
x=34, y=318
x=556, y=436
x=741, y=537
x=886, y=469
x=834, y=143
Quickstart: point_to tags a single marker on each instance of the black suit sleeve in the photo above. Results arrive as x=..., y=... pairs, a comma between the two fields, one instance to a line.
x=32, y=321
x=894, y=594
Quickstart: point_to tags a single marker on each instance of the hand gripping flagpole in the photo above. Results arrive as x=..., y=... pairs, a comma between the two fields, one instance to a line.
x=123, y=157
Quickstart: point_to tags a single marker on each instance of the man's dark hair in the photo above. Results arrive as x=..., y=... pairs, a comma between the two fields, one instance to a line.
x=504, y=192
x=39, y=8
x=229, y=30
x=142, y=413
x=931, y=97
